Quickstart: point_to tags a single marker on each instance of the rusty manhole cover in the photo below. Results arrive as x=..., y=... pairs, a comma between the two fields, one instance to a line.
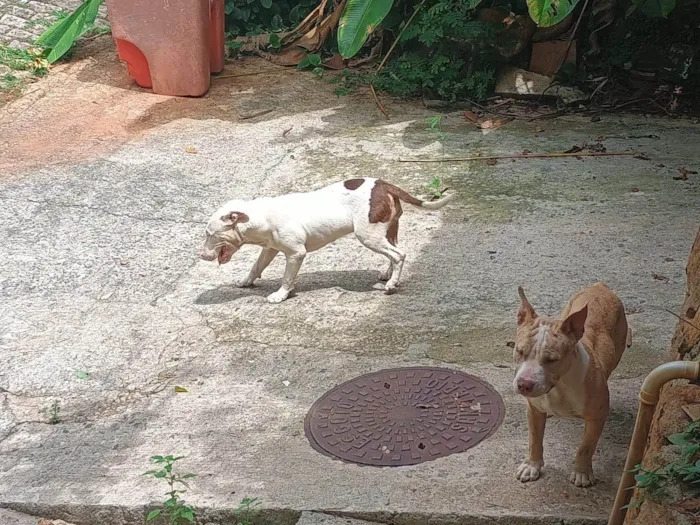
x=404, y=416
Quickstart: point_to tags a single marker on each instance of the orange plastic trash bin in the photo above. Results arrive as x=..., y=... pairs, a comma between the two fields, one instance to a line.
x=171, y=46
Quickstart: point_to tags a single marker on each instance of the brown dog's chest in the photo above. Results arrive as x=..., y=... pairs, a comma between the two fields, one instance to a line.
x=565, y=401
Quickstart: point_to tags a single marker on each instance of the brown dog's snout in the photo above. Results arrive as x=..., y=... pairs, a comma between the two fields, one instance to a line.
x=525, y=386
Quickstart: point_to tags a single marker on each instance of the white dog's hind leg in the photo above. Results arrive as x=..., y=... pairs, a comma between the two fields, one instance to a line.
x=386, y=275
x=374, y=237
x=294, y=260
x=264, y=259
x=392, y=234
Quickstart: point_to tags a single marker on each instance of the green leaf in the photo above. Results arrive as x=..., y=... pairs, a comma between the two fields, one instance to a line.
x=295, y=15
x=67, y=39
x=275, y=41
x=91, y=14
x=314, y=60
x=52, y=35
x=304, y=63
x=181, y=389
x=153, y=514
x=82, y=375
x=358, y=20
x=655, y=8
x=547, y=13
x=187, y=513
x=61, y=36
x=160, y=474
x=157, y=459
x=679, y=439
x=188, y=476
x=267, y=4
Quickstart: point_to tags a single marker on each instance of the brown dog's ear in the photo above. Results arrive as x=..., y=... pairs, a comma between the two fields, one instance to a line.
x=526, y=311
x=235, y=217
x=573, y=325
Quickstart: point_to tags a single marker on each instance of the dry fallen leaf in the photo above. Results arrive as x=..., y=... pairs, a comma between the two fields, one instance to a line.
x=576, y=148
x=526, y=152
x=684, y=174
x=190, y=149
x=693, y=411
x=635, y=190
x=538, y=129
x=482, y=123
x=335, y=62
x=472, y=117
x=510, y=344
x=491, y=162
x=660, y=277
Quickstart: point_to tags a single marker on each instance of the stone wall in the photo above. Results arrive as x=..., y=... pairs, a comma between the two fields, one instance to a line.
x=676, y=508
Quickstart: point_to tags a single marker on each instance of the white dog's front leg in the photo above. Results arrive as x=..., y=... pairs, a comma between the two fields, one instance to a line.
x=294, y=260
x=264, y=259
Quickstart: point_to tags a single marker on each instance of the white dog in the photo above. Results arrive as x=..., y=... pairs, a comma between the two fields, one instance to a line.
x=299, y=223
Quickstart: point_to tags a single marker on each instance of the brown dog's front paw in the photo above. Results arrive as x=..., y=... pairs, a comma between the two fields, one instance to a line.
x=529, y=471
x=582, y=479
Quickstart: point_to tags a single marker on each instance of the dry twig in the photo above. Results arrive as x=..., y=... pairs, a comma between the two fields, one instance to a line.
x=528, y=156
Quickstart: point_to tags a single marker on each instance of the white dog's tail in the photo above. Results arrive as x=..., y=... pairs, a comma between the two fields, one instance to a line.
x=410, y=199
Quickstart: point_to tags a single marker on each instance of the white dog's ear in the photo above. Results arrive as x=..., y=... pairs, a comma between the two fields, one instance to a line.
x=573, y=325
x=235, y=217
x=526, y=312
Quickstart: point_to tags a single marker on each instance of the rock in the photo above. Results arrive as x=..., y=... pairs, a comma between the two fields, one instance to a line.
x=518, y=83
x=546, y=56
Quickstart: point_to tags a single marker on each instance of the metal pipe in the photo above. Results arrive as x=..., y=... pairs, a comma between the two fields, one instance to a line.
x=648, y=398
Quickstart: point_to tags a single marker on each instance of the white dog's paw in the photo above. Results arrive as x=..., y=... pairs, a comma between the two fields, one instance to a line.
x=386, y=288
x=529, y=471
x=245, y=283
x=277, y=297
x=385, y=276
x=582, y=479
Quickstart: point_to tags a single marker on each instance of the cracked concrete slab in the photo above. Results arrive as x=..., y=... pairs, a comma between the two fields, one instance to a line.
x=99, y=275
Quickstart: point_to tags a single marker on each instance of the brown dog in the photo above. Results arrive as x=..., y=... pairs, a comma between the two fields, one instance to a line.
x=563, y=370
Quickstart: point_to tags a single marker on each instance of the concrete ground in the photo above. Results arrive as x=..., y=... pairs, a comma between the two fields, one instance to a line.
x=104, y=192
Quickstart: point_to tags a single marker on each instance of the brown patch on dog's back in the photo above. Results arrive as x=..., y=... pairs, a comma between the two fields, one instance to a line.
x=385, y=202
x=380, y=203
x=353, y=184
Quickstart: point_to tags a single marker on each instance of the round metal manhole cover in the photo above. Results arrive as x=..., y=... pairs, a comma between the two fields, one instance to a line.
x=404, y=416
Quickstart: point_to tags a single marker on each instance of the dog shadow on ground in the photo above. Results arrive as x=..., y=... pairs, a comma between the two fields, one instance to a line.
x=350, y=281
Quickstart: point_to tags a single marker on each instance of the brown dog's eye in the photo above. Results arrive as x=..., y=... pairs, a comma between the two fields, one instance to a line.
x=551, y=359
